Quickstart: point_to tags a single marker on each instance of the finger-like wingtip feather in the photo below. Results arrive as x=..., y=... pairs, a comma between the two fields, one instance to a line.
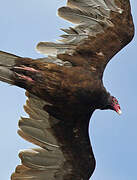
x=49, y=48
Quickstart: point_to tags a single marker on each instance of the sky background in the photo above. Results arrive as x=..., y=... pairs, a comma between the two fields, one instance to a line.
x=114, y=138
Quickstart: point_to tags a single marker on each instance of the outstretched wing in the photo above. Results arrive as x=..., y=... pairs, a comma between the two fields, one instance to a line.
x=65, y=151
x=59, y=128
x=103, y=27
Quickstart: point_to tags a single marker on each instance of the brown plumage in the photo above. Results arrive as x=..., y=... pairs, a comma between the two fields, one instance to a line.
x=65, y=88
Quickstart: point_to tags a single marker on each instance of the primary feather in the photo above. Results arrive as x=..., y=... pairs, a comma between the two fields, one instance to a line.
x=91, y=18
x=64, y=89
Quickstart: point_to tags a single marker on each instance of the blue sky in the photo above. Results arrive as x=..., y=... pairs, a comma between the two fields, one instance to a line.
x=114, y=138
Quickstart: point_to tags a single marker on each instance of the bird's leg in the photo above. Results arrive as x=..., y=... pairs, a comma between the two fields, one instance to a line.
x=42, y=79
x=22, y=71
x=26, y=68
x=25, y=77
x=19, y=71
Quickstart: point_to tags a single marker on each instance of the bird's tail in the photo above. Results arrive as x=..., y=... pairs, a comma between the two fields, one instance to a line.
x=19, y=71
x=7, y=61
x=32, y=75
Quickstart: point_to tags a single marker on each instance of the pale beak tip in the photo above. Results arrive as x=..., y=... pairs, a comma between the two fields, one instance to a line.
x=119, y=112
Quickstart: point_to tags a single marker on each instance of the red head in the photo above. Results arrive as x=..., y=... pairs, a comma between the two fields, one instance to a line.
x=115, y=105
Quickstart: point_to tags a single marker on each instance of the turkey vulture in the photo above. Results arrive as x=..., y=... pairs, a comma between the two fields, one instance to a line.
x=66, y=87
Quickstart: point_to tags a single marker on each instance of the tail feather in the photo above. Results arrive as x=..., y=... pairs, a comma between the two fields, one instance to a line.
x=7, y=59
x=6, y=62
x=6, y=75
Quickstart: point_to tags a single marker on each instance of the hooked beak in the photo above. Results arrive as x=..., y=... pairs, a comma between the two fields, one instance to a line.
x=116, y=107
x=119, y=112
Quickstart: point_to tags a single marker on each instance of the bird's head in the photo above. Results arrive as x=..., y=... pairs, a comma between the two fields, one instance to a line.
x=113, y=105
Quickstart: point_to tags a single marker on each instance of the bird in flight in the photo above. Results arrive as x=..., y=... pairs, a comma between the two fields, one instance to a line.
x=66, y=87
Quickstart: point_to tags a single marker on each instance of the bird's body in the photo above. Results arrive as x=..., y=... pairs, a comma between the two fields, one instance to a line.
x=65, y=88
x=61, y=85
